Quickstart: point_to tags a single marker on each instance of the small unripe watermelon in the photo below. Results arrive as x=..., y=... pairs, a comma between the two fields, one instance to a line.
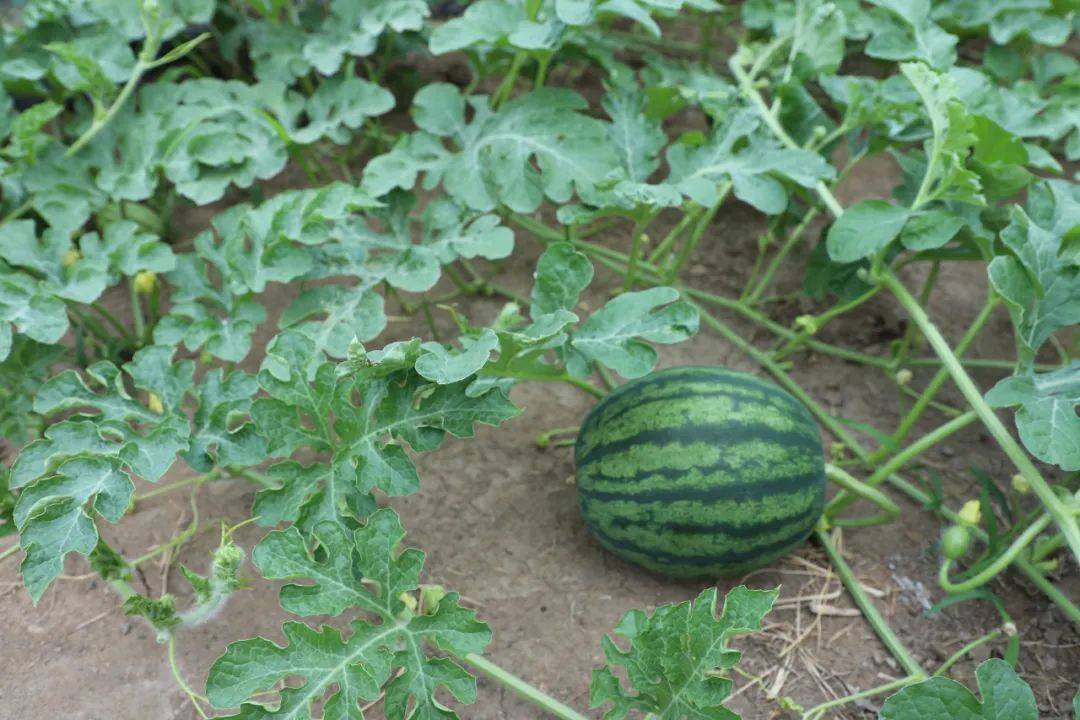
x=700, y=471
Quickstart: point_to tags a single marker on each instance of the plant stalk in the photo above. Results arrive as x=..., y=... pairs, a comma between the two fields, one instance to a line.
x=899, y=651
x=1061, y=515
x=542, y=700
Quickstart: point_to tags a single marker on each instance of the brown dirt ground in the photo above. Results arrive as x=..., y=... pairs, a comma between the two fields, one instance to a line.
x=499, y=521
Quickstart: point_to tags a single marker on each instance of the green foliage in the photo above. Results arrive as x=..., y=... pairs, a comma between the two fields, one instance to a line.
x=391, y=652
x=1004, y=697
x=363, y=422
x=558, y=121
x=676, y=657
x=738, y=153
x=1046, y=418
x=534, y=147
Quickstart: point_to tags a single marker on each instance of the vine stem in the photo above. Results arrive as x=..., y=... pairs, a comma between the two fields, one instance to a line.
x=870, y=612
x=746, y=86
x=889, y=510
x=695, y=236
x=137, y=317
x=17, y=212
x=1067, y=606
x=818, y=710
x=192, y=695
x=178, y=485
x=1000, y=562
x=8, y=552
x=777, y=260
x=965, y=650
x=635, y=250
x=843, y=500
x=502, y=93
x=1065, y=520
x=522, y=688
x=927, y=396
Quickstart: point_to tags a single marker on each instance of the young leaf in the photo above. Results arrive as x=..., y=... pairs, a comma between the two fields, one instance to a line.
x=338, y=106
x=215, y=133
x=930, y=229
x=561, y=274
x=222, y=436
x=677, y=658
x=87, y=457
x=536, y=146
x=1046, y=419
x=614, y=334
x=865, y=229
x=390, y=653
x=366, y=438
x=947, y=177
x=751, y=161
x=1005, y=697
x=1041, y=289
x=903, y=30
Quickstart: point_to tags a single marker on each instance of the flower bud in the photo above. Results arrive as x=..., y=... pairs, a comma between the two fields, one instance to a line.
x=971, y=514
x=1020, y=484
x=145, y=282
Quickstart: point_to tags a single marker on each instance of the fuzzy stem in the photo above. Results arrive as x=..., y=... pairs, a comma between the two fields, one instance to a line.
x=1001, y=562
x=789, y=244
x=635, y=251
x=746, y=86
x=695, y=237
x=927, y=396
x=192, y=695
x=8, y=552
x=965, y=650
x=674, y=234
x=503, y=92
x=870, y=612
x=525, y=690
x=111, y=319
x=17, y=212
x=932, y=438
x=889, y=510
x=819, y=710
x=1061, y=515
x=178, y=485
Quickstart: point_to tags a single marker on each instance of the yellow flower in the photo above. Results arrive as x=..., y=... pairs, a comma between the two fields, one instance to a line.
x=1020, y=484
x=971, y=513
x=71, y=257
x=154, y=403
x=807, y=324
x=145, y=282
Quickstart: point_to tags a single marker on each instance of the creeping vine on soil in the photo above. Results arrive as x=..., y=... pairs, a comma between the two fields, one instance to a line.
x=117, y=113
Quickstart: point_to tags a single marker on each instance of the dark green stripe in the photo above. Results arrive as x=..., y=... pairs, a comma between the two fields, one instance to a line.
x=590, y=474
x=713, y=433
x=677, y=377
x=719, y=527
x=728, y=558
x=742, y=491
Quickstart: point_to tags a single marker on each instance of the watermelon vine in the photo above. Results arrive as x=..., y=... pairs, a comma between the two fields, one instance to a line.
x=595, y=137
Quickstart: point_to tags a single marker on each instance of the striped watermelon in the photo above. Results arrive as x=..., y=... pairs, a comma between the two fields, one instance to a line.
x=698, y=471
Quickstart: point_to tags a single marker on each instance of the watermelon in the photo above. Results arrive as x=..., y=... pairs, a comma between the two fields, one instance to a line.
x=696, y=471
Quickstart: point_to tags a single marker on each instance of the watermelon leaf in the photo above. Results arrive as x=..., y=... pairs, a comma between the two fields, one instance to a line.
x=1004, y=697
x=677, y=657
x=393, y=650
